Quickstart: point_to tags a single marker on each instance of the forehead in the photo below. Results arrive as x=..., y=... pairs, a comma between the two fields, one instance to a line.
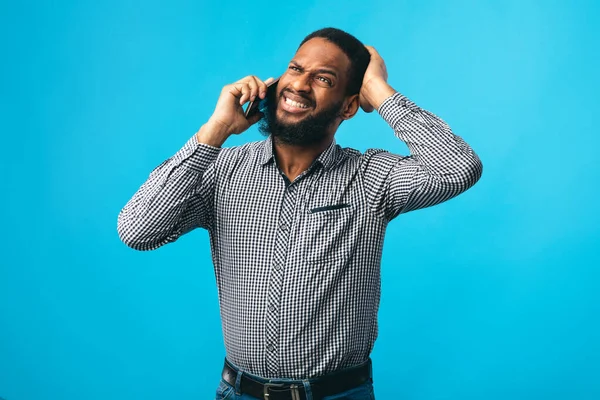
x=321, y=53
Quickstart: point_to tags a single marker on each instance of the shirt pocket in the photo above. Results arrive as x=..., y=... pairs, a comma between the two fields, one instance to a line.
x=327, y=233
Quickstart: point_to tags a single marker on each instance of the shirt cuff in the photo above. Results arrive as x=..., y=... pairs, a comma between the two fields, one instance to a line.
x=396, y=107
x=196, y=156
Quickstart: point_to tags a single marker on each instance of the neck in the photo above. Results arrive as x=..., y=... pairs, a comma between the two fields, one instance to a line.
x=294, y=160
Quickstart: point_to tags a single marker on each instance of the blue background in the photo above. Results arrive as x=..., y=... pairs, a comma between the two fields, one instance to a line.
x=492, y=295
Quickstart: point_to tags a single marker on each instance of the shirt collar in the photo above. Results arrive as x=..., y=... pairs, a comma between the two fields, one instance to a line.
x=267, y=151
x=327, y=158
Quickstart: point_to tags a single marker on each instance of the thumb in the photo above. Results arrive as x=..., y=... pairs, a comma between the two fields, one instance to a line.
x=255, y=118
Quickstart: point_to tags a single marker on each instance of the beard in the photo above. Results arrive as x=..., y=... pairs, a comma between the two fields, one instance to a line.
x=306, y=132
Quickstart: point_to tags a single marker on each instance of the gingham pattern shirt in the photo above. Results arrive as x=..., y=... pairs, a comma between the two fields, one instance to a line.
x=297, y=264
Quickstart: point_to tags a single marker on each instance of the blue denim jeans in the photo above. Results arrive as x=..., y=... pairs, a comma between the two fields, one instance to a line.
x=225, y=391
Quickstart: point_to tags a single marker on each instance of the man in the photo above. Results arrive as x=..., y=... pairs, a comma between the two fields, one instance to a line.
x=296, y=222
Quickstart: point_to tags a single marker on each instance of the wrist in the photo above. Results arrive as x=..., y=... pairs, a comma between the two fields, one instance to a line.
x=213, y=133
x=376, y=90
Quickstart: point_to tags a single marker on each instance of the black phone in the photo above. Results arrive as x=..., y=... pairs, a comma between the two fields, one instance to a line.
x=260, y=104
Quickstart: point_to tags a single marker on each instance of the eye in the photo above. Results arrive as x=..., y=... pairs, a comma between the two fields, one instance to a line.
x=294, y=68
x=325, y=80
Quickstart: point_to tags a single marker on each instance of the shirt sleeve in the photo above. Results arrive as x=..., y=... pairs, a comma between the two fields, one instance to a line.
x=440, y=165
x=176, y=198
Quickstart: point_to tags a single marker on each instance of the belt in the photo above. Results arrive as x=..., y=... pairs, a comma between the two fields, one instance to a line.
x=327, y=385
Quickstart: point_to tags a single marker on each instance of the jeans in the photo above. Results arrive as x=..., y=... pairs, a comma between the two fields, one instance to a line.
x=225, y=391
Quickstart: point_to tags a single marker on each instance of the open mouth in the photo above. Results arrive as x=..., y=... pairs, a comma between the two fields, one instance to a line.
x=294, y=105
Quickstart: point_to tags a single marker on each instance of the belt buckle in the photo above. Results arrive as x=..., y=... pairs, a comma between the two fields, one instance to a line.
x=268, y=385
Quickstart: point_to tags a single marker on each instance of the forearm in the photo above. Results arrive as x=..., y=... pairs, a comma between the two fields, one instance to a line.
x=213, y=133
x=159, y=211
x=441, y=154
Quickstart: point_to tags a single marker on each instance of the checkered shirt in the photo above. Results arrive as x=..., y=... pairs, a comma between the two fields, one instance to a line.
x=297, y=264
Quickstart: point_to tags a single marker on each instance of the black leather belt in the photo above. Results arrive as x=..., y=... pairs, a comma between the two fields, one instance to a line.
x=327, y=385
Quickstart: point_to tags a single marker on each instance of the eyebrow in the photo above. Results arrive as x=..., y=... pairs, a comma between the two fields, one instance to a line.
x=320, y=70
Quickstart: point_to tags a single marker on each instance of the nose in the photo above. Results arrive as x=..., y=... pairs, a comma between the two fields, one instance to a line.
x=301, y=83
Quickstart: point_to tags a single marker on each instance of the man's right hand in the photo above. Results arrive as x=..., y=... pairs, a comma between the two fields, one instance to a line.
x=228, y=117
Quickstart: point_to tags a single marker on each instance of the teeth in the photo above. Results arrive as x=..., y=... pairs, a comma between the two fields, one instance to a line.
x=295, y=103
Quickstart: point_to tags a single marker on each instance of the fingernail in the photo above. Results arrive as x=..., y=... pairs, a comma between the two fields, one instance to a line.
x=252, y=98
x=263, y=94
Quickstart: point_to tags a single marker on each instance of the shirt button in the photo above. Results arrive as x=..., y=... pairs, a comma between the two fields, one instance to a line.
x=283, y=226
x=277, y=267
x=271, y=308
x=270, y=347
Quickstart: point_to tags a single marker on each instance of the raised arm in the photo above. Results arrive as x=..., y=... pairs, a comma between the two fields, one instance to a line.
x=441, y=165
x=176, y=198
x=178, y=195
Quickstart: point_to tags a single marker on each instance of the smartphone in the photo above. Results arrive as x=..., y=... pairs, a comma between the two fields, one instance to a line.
x=260, y=104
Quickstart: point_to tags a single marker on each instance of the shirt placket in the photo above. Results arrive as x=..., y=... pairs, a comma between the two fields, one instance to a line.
x=284, y=227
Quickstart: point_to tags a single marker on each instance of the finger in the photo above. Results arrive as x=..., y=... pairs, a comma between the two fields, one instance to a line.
x=253, y=83
x=255, y=118
x=365, y=105
x=260, y=85
x=367, y=108
x=241, y=91
x=235, y=89
x=263, y=86
x=244, y=89
x=246, y=79
x=254, y=88
x=372, y=51
x=267, y=82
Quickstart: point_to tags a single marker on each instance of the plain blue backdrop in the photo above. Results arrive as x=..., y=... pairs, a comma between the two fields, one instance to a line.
x=492, y=295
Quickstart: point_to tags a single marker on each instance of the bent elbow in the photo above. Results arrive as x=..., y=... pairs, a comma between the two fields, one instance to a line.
x=478, y=170
x=464, y=176
x=133, y=234
x=473, y=172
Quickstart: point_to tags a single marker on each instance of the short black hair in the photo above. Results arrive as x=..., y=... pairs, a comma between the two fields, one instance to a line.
x=353, y=48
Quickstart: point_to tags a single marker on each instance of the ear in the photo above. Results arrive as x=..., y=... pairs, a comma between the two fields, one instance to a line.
x=351, y=107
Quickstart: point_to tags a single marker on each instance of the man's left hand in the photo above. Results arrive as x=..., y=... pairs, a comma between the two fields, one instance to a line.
x=374, y=89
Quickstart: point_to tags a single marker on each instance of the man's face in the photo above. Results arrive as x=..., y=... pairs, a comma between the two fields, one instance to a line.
x=310, y=94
